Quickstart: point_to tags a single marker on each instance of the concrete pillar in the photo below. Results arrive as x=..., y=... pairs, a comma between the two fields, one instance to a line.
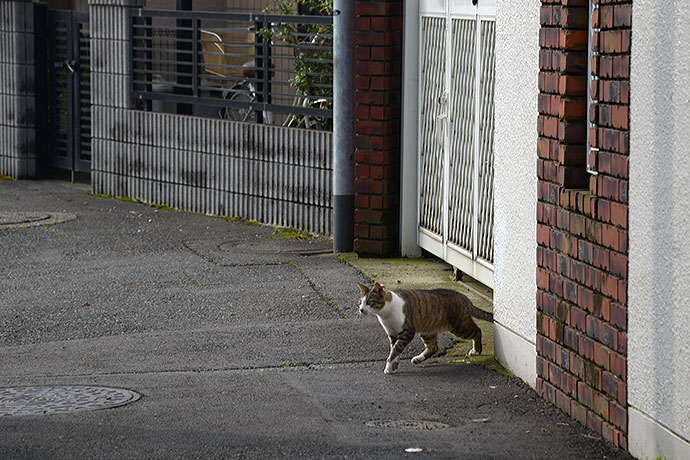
x=17, y=90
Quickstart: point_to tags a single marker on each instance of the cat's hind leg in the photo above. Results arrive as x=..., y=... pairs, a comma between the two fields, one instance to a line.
x=431, y=347
x=470, y=330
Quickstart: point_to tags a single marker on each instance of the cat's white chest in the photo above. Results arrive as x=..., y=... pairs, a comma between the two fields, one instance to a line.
x=391, y=316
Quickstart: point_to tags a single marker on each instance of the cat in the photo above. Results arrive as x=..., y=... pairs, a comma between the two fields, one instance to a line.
x=402, y=313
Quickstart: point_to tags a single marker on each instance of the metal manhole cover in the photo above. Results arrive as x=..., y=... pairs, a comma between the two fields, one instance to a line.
x=407, y=424
x=33, y=219
x=13, y=218
x=279, y=246
x=61, y=399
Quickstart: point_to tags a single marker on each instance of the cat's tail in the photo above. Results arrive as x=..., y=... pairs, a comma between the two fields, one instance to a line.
x=481, y=314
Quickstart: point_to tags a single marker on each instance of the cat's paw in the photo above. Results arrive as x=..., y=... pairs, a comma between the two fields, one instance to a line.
x=473, y=352
x=418, y=359
x=391, y=367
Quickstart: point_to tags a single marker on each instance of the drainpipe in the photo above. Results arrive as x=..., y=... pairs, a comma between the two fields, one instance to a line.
x=343, y=125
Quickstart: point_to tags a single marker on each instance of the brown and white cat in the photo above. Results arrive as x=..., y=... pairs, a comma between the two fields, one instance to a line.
x=402, y=313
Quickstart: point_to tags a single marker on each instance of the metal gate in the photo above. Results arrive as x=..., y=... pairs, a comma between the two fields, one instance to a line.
x=69, y=83
x=456, y=123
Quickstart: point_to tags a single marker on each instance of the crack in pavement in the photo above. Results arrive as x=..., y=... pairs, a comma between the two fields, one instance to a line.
x=290, y=263
x=232, y=369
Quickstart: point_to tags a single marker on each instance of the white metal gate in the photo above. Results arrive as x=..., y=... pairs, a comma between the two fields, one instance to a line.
x=456, y=124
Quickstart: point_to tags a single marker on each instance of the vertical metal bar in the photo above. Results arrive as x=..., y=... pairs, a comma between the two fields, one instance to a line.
x=267, y=68
x=590, y=79
x=73, y=110
x=259, y=59
x=148, y=45
x=343, y=125
x=41, y=79
x=183, y=44
x=195, y=58
x=445, y=155
x=477, y=134
x=52, y=82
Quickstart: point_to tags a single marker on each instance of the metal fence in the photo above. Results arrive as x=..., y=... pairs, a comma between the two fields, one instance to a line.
x=263, y=68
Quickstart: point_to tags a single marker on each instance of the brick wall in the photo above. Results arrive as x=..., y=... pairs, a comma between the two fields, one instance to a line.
x=378, y=83
x=582, y=219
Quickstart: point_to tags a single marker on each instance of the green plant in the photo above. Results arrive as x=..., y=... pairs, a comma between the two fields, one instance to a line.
x=291, y=234
x=313, y=52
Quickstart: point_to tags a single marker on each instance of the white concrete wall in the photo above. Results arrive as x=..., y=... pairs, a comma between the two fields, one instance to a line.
x=515, y=185
x=659, y=271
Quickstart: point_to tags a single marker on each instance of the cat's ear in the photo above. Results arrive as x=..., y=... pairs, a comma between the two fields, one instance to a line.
x=364, y=289
x=378, y=288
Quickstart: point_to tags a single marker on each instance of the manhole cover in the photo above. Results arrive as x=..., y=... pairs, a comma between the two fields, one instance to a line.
x=407, y=424
x=61, y=399
x=21, y=218
x=33, y=219
x=279, y=246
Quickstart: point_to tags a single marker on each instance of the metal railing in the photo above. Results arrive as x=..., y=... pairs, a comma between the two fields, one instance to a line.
x=255, y=67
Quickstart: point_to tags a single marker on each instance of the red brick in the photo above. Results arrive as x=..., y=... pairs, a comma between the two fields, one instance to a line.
x=578, y=412
x=376, y=201
x=601, y=355
x=618, y=365
x=572, y=109
x=619, y=316
x=362, y=23
x=619, y=215
x=601, y=405
x=594, y=422
x=362, y=171
x=622, y=394
x=563, y=401
x=361, y=230
x=609, y=237
x=618, y=416
x=585, y=394
x=610, y=41
x=362, y=52
x=572, y=39
x=368, y=186
x=576, y=365
x=543, y=234
x=371, y=8
x=366, y=246
x=609, y=433
x=361, y=83
x=622, y=16
x=369, y=68
x=609, y=384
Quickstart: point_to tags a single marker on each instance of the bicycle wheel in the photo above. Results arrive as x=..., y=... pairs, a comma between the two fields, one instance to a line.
x=239, y=94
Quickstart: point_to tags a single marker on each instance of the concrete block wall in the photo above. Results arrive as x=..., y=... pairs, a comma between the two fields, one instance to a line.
x=271, y=174
x=17, y=94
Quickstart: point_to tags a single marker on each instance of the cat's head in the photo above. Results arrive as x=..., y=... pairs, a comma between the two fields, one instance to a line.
x=372, y=299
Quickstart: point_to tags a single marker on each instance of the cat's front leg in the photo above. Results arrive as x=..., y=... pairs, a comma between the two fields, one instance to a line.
x=391, y=366
x=394, y=357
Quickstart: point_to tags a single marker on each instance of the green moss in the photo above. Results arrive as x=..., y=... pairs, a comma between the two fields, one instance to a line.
x=127, y=199
x=163, y=207
x=6, y=177
x=252, y=222
x=291, y=234
x=230, y=218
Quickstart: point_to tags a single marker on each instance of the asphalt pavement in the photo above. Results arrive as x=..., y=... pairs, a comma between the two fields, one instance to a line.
x=239, y=340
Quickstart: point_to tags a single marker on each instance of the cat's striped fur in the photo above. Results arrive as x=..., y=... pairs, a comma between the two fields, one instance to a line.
x=402, y=313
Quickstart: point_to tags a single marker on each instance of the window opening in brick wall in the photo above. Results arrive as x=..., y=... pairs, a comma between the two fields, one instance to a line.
x=592, y=81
